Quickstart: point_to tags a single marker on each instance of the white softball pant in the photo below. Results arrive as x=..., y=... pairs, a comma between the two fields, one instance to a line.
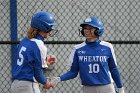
x=109, y=88
x=20, y=86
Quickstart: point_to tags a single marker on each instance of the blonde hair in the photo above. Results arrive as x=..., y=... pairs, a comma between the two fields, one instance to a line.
x=32, y=32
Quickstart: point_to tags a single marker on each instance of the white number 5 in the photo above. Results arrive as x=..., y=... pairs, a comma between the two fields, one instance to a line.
x=21, y=58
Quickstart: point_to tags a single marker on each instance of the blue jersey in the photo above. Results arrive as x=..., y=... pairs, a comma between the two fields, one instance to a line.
x=31, y=60
x=95, y=62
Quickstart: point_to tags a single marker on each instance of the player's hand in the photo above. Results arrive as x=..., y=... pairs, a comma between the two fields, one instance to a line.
x=121, y=90
x=51, y=59
x=48, y=85
x=55, y=80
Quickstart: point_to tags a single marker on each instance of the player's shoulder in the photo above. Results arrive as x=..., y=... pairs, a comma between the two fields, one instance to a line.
x=79, y=45
x=37, y=41
x=25, y=39
x=24, y=42
x=39, y=44
x=105, y=43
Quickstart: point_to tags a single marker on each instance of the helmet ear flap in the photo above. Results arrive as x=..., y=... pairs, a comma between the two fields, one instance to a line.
x=96, y=32
x=99, y=32
x=82, y=32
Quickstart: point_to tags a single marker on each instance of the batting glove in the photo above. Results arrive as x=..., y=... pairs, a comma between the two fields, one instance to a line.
x=55, y=80
x=121, y=90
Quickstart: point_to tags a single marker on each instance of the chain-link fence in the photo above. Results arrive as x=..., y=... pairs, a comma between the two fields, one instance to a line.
x=122, y=22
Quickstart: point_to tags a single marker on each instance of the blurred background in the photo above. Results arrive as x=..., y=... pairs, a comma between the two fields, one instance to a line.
x=121, y=19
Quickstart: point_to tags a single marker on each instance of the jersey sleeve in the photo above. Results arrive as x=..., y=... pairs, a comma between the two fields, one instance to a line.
x=74, y=67
x=38, y=64
x=113, y=68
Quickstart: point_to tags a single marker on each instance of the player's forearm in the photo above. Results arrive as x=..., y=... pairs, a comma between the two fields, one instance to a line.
x=116, y=77
x=72, y=73
x=39, y=76
x=68, y=75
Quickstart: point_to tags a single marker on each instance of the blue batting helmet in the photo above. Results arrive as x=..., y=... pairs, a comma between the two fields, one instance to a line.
x=94, y=22
x=43, y=21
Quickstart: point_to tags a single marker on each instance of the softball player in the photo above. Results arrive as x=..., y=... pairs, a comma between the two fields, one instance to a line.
x=94, y=60
x=32, y=53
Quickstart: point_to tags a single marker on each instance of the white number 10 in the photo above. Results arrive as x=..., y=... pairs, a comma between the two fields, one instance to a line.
x=93, y=68
x=21, y=58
